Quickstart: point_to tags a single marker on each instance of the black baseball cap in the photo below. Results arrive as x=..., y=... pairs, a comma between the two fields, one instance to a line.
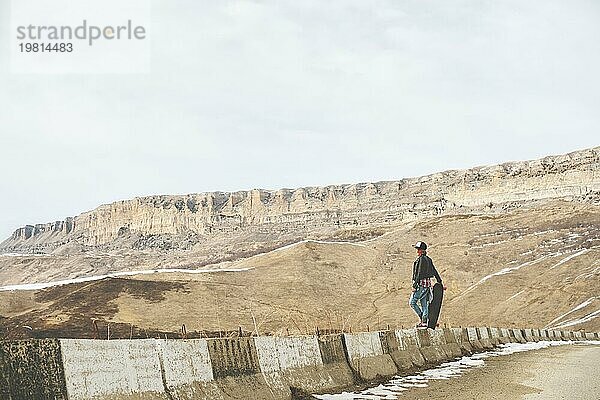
x=420, y=246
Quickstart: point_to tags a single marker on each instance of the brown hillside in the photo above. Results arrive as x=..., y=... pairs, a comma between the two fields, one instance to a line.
x=526, y=267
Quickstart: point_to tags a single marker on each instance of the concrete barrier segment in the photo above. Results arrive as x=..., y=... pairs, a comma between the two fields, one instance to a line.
x=474, y=339
x=32, y=369
x=484, y=337
x=392, y=345
x=366, y=356
x=408, y=344
x=462, y=340
x=432, y=353
x=505, y=336
x=297, y=362
x=105, y=368
x=518, y=335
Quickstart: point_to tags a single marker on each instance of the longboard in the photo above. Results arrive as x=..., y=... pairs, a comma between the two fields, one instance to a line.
x=436, y=305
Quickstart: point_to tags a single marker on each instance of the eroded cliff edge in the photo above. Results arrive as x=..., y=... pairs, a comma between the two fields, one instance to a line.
x=195, y=218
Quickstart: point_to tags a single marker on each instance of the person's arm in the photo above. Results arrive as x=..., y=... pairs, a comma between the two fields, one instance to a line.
x=416, y=267
x=436, y=274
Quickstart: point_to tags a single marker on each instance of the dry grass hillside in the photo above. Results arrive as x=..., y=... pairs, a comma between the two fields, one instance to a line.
x=534, y=266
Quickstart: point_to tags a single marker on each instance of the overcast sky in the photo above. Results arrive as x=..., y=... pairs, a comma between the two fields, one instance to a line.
x=272, y=94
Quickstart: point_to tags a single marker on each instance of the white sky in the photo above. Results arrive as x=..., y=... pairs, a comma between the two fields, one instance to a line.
x=273, y=94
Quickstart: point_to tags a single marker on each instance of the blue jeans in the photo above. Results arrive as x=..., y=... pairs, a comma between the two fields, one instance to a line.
x=421, y=295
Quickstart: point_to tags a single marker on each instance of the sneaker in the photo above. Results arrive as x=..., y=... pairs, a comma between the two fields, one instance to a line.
x=422, y=325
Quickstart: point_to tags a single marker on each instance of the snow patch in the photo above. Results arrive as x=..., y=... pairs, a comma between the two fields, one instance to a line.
x=579, y=321
x=394, y=388
x=45, y=285
x=25, y=255
x=568, y=258
x=579, y=307
x=504, y=271
x=489, y=244
x=515, y=295
x=588, y=275
x=543, y=232
x=289, y=246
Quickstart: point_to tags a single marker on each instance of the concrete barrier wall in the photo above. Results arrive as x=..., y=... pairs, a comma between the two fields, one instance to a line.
x=160, y=369
x=430, y=346
x=226, y=369
x=366, y=357
x=332, y=349
x=447, y=343
x=186, y=369
x=484, y=337
x=236, y=369
x=472, y=334
x=111, y=367
x=519, y=336
x=233, y=357
x=286, y=353
x=408, y=354
x=505, y=336
x=530, y=336
x=452, y=347
x=392, y=344
x=32, y=369
x=333, y=354
x=297, y=362
x=474, y=339
x=495, y=336
x=570, y=335
x=460, y=334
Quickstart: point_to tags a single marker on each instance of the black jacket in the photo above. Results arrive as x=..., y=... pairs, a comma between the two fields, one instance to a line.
x=423, y=268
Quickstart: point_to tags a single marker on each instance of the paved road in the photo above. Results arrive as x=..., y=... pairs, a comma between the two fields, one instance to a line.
x=568, y=372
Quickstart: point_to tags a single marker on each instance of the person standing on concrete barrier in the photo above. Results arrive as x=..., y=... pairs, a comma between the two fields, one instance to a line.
x=423, y=271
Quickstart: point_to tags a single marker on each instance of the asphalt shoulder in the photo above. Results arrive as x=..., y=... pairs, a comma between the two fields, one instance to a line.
x=559, y=372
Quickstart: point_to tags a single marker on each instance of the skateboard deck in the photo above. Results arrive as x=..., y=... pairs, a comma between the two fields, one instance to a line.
x=435, y=305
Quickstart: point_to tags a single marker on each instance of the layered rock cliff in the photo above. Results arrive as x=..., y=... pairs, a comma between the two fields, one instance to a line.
x=573, y=175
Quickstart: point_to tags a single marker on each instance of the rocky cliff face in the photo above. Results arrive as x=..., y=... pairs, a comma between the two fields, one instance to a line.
x=207, y=214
